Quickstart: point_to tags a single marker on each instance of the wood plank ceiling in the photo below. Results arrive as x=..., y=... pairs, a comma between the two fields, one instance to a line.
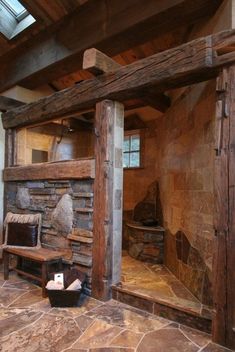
x=52, y=17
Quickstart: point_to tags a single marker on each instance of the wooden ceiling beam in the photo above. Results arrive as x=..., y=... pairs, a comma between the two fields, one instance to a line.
x=9, y=103
x=111, y=26
x=98, y=63
x=187, y=64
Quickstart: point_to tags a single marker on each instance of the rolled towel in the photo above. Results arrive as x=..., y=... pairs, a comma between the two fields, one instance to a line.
x=52, y=285
x=75, y=285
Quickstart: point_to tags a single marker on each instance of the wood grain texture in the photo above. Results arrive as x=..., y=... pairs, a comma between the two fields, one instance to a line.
x=187, y=64
x=74, y=169
x=9, y=103
x=103, y=199
x=98, y=63
x=102, y=204
x=224, y=181
x=56, y=52
x=231, y=225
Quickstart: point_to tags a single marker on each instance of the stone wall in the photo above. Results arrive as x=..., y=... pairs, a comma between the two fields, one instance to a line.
x=185, y=138
x=67, y=215
x=179, y=155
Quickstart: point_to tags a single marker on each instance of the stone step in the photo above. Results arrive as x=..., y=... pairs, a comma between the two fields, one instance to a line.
x=201, y=321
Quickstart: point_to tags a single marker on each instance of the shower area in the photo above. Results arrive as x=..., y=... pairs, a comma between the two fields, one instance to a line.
x=168, y=210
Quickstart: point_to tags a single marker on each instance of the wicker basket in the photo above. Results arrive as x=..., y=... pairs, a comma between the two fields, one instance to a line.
x=64, y=298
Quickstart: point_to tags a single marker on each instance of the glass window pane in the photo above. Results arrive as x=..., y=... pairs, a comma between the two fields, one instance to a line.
x=16, y=6
x=126, y=159
x=135, y=159
x=126, y=146
x=135, y=142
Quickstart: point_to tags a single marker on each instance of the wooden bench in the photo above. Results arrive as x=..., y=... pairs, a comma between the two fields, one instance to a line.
x=43, y=256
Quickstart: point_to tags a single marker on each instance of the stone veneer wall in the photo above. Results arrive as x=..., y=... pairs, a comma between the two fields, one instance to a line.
x=185, y=165
x=67, y=215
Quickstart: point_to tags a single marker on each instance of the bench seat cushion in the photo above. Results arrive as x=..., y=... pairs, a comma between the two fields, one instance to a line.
x=22, y=234
x=22, y=230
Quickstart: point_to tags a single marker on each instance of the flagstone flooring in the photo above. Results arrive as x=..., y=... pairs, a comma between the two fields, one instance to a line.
x=157, y=283
x=29, y=324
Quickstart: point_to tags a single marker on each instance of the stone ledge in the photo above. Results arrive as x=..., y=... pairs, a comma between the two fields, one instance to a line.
x=80, y=239
x=84, y=210
x=78, y=231
x=83, y=195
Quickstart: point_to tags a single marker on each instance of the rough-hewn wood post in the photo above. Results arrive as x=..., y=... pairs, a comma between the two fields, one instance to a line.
x=224, y=181
x=107, y=230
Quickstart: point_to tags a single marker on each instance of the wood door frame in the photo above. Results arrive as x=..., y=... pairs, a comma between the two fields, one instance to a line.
x=223, y=325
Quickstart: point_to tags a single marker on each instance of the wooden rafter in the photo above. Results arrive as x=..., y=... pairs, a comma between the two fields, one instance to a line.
x=111, y=26
x=193, y=62
x=9, y=103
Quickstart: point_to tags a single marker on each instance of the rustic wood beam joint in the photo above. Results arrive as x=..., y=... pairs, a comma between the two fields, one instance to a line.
x=129, y=21
x=98, y=63
x=174, y=68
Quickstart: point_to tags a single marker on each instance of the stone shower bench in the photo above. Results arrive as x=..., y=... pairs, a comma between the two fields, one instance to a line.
x=43, y=256
x=146, y=243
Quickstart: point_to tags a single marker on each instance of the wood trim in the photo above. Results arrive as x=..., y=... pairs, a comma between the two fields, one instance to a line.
x=108, y=25
x=173, y=68
x=63, y=170
x=109, y=121
x=224, y=182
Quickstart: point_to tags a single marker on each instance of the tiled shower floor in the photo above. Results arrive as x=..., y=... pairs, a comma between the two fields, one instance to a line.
x=158, y=283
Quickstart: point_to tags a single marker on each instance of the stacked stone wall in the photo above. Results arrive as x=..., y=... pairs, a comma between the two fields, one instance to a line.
x=67, y=215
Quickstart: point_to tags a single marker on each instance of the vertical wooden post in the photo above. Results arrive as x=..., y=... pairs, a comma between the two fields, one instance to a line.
x=224, y=253
x=10, y=147
x=107, y=229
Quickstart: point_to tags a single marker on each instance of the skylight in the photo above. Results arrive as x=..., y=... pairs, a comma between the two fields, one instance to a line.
x=14, y=18
x=16, y=8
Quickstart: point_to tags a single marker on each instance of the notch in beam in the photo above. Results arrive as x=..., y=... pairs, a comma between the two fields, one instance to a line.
x=98, y=63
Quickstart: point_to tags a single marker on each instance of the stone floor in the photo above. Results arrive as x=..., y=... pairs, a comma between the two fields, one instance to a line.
x=29, y=324
x=158, y=283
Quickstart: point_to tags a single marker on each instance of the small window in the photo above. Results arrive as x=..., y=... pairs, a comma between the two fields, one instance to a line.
x=132, y=150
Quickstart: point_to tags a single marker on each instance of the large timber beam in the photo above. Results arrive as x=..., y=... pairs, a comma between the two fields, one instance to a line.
x=9, y=103
x=111, y=26
x=190, y=63
x=97, y=63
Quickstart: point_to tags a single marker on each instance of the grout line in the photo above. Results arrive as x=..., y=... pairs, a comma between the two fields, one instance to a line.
x=140, y=342
x=123, y=329
x=188, y=338
x=202, y=348
x=79, y=337
x=24, y=327
x=8, y=306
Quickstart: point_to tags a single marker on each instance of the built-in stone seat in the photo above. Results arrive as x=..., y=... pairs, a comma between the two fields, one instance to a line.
x=146, y=243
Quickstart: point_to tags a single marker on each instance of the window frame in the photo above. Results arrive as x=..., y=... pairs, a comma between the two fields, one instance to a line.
x=18, y=16
x=130, y=133
x=12, y=24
